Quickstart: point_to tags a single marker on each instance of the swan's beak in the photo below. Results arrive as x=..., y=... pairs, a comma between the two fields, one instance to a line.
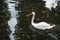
x=29, y=14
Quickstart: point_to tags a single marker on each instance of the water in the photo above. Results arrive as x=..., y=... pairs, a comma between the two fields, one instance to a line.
x=51, y=3
x=22, y=30
x=13, y=20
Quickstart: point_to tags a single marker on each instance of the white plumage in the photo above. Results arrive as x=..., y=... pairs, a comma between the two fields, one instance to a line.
x=41, y=25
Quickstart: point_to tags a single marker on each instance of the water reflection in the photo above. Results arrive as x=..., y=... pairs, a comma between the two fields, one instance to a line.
x=13, y=20
x=51, y=4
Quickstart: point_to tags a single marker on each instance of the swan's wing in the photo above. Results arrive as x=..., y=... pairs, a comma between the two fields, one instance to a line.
x=40, y=26
x=50, y=27
x=43, y=26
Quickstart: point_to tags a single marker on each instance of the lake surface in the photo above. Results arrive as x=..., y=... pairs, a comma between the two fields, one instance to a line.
x=15, y=25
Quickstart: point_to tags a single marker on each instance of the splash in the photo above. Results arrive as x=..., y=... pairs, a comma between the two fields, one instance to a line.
x=13, y=20
x=51, y=3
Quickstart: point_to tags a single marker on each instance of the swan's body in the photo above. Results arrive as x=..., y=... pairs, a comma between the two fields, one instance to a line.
x=41, y=25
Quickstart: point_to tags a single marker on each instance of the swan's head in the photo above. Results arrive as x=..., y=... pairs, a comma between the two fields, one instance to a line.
x=33, y=13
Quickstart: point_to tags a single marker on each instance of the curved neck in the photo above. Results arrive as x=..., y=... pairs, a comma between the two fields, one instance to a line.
x=32, y=21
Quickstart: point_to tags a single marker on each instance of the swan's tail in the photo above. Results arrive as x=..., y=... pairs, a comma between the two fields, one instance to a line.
x=51, y=27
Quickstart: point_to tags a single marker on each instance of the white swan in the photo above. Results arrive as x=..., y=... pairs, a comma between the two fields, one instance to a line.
x=41, y=25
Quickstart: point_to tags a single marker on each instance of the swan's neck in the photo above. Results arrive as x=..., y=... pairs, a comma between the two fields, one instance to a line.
x=32, y=21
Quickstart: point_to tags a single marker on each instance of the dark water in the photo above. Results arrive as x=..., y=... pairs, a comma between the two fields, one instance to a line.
x=22, y=28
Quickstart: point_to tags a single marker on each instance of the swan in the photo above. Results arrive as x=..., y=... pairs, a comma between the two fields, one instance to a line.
x=41, y=25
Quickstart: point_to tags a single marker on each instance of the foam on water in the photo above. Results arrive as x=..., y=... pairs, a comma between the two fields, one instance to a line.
x=51, y=3
x=13, y=20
